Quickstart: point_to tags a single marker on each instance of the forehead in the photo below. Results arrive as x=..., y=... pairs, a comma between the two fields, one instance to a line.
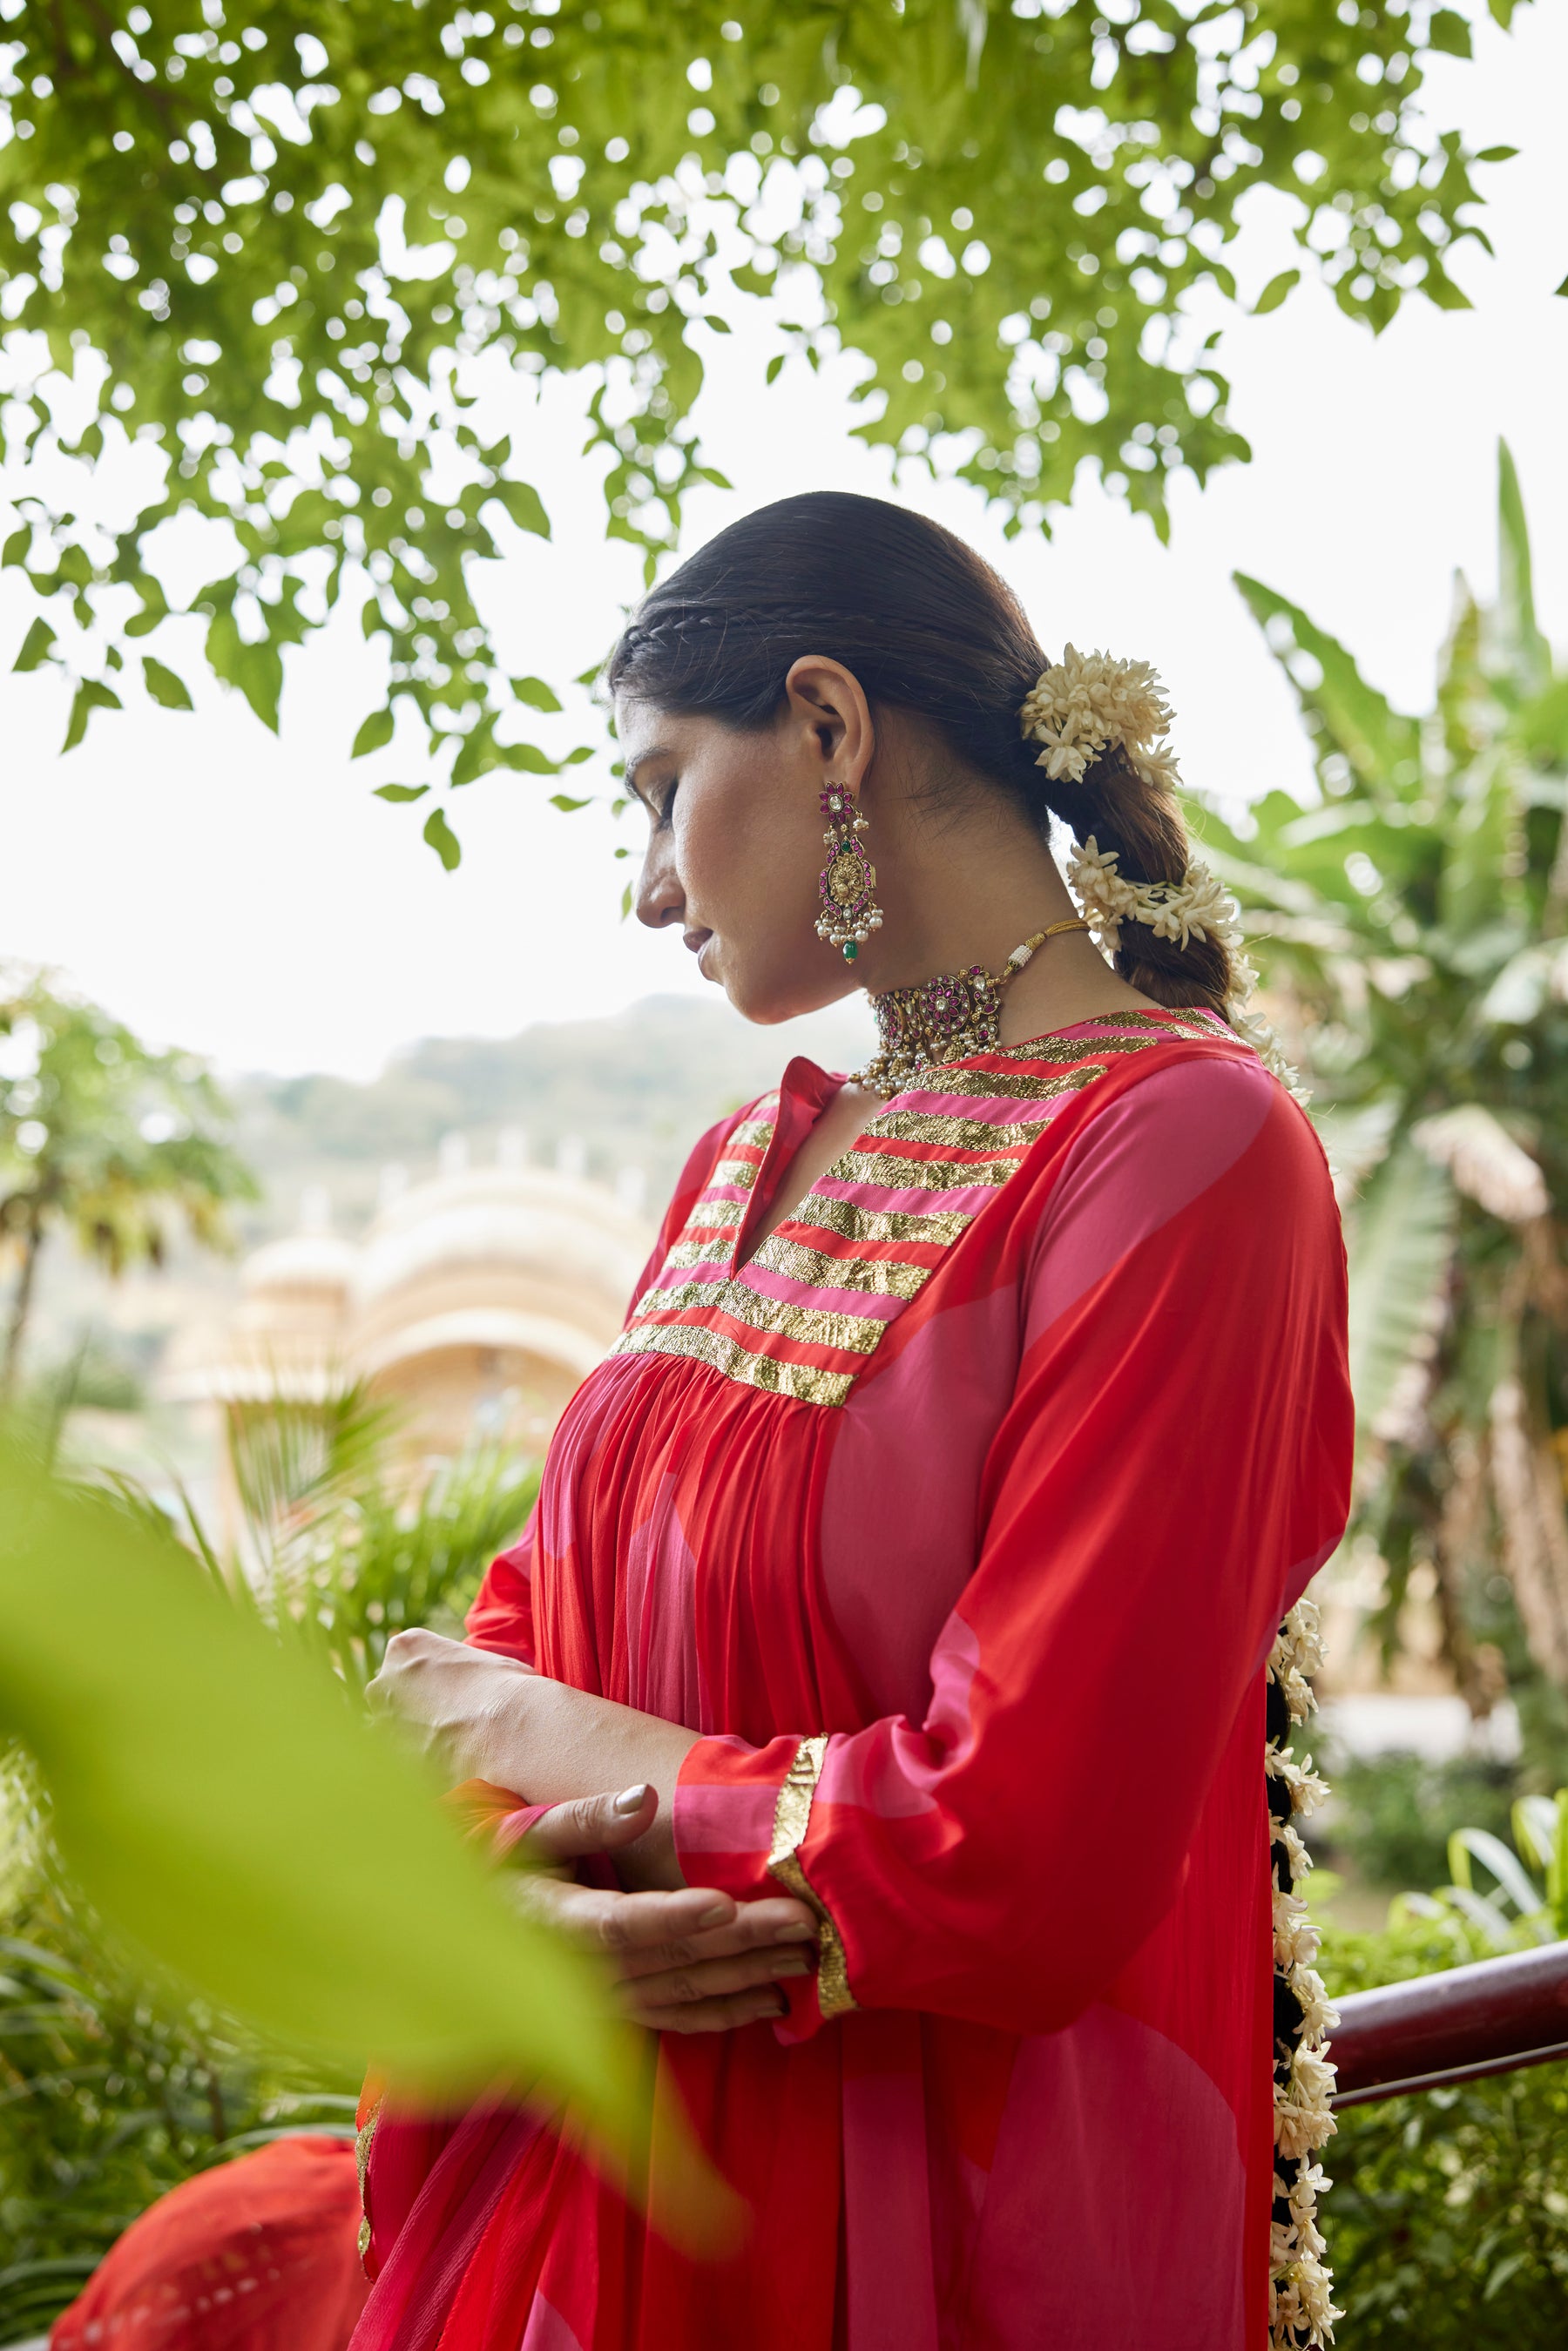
x=646, y=733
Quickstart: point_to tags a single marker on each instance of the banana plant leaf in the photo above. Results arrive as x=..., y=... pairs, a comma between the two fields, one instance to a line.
x=1400, y=1242
x=233, y=1816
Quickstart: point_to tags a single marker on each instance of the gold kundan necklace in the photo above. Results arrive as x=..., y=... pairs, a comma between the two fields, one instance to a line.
x=944, y=1019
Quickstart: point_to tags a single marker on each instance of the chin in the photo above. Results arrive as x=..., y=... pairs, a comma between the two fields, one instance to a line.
x=766, y=998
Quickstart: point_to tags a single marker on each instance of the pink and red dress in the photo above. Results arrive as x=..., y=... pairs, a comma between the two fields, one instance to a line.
x=958, y=1518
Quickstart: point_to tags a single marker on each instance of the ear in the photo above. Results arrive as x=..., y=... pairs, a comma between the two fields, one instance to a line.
x=829, y=718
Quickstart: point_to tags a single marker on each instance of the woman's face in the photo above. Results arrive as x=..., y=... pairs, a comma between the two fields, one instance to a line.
x=735, y=837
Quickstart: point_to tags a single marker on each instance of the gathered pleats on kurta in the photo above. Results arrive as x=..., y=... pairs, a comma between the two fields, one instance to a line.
x=958, y=1518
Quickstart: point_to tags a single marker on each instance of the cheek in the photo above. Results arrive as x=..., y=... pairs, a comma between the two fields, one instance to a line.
x=746, y=858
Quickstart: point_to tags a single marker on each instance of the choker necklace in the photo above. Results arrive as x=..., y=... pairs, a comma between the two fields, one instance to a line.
x=944, y=1019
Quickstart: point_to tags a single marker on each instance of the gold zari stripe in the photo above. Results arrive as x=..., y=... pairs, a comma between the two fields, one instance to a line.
x=811, y=1326
x=958, y=1133
x=881, y=1277
x=791, y=1818
x=919, y=1175
x=727, y=1355
x=1008, y=1085
x=819, y=1212
x=757, y=1131
x=710, y=1215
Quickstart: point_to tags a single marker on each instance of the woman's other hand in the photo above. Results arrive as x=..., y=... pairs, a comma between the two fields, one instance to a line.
x=453, y=1696
x=691, y=1961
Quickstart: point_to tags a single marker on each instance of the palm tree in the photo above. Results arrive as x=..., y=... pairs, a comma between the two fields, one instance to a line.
x=1412, y=927
x=102, y=1137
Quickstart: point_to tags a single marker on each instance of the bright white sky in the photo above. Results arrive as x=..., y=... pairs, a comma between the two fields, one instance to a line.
x=245, y=895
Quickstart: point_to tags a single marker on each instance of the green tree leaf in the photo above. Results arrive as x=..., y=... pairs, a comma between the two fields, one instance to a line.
x=91, y=694
x=401, y=792
x=442, y=840
x=36, y=645
x=164, y=686
x=524, y=505
x=1275, y=291
x=535, y=693
x=374, y=735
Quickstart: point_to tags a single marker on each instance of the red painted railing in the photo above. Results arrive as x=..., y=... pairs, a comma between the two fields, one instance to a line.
x=1492, y=2017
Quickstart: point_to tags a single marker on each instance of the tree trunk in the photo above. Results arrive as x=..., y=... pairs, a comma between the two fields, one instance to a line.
x=1457, y=1540
x=21, y=1307
x=1528, y=1485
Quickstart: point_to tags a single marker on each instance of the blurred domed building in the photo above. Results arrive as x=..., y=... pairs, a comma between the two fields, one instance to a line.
x=475, y=1304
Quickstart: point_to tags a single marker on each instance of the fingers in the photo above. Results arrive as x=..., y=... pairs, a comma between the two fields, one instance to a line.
x=620, y=1923
x=693, y=1987
x=592, y=1824
x=726, y=2014
x=757, y=1926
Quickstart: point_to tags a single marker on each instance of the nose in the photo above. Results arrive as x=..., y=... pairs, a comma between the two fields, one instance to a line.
x=661, y=900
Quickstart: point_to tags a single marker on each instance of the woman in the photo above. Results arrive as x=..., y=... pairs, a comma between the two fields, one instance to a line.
x=911, y=1565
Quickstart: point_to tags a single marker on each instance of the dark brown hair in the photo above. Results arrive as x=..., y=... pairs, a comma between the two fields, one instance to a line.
x=927, y=626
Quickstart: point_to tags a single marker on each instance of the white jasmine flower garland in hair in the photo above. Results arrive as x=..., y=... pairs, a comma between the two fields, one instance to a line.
x=1081, y=707
x=1086, y=702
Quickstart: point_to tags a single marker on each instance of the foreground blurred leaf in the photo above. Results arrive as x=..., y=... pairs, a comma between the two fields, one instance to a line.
x=224, y=1806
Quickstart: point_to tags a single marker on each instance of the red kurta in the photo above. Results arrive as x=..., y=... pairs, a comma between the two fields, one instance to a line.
x=958, y=1518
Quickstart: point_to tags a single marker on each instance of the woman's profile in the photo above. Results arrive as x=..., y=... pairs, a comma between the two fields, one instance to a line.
x=886, y=1666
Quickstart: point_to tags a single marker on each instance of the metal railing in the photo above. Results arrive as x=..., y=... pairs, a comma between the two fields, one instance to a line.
x=1494, y=2016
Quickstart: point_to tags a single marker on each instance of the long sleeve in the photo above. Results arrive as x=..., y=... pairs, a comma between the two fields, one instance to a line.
x=1171, y=1469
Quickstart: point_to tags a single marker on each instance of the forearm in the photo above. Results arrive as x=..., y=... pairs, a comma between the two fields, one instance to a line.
x=553, y=1744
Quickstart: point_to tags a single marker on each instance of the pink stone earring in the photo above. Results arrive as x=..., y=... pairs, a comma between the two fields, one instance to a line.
x=849, y=914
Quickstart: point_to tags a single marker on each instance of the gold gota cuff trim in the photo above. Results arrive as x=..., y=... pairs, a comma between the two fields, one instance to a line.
x=364, y=2139
x=791, y=1818
x=723, y=1354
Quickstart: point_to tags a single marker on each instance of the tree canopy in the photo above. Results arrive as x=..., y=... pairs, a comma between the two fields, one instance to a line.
x=281, y=246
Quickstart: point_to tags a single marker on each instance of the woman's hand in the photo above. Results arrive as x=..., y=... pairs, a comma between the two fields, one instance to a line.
x=491, y=1718
x=691, y=1961
x=456, y=1699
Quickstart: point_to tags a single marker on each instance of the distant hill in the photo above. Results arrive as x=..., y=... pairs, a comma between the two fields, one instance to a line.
x=631, y=1092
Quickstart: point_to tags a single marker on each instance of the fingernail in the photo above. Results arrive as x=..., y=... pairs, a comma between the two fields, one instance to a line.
x=718, y=1914
x=631, y=1800
x=791, y=1963
x=800, y=1934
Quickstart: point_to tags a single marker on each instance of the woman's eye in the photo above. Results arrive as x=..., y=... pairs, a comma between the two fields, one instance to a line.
x=666, y=807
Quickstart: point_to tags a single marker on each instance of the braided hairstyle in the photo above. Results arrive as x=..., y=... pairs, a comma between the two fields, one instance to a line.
x=928, y=627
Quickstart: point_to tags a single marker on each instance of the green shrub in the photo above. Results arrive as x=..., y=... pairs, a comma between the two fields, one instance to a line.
x=1448, y=2220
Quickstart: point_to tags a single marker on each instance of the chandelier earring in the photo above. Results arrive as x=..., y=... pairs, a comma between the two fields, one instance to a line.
x=849, y=912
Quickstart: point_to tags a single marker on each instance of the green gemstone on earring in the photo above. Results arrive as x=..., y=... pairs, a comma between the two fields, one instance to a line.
x=852, y=949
